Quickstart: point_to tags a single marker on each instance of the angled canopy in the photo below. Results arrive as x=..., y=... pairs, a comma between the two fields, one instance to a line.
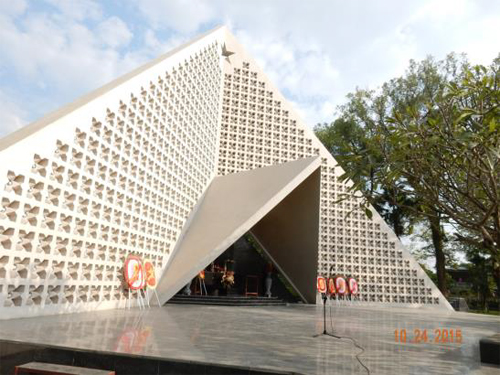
x=234, y=204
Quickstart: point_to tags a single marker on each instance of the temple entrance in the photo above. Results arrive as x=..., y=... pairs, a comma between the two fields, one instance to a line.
x=242, y=271
x=278, y=206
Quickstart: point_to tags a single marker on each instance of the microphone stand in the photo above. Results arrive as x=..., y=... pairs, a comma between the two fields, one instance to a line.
x=325, y=333
x=324, y=320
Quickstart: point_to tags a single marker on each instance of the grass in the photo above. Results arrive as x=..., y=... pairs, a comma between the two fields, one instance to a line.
x=489, y=312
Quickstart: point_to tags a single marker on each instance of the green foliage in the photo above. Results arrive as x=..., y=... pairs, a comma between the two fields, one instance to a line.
x=432, y=275
x=353, y=148
x=423, y=249
x=449, y=154
x=481, y=268
x=426, y=146
x=488, y=312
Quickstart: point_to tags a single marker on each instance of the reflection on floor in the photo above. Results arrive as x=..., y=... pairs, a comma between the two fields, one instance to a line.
x=278, y=338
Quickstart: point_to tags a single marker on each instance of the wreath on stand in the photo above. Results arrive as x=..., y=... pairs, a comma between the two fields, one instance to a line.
x=228, y=276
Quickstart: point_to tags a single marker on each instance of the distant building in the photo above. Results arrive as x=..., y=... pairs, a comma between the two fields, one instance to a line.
x=460, y=276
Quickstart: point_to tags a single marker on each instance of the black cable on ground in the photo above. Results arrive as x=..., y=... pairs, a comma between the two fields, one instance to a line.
x=353, y=341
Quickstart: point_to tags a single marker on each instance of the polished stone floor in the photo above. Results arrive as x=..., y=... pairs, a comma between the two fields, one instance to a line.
x=273, y=338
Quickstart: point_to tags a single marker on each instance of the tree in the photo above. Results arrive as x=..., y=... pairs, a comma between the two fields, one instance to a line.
x=445, y=154
x=480, y=268
x=361, y=139
x=345, y=137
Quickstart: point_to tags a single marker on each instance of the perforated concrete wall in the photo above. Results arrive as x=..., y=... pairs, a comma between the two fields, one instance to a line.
x=120, y=171
x=260, y=128
x=103, y=182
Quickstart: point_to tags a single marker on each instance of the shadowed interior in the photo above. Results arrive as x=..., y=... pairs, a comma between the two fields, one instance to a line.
x=233, y=205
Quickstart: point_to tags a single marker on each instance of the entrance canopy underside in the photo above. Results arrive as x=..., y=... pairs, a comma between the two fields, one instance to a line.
x=233, y=204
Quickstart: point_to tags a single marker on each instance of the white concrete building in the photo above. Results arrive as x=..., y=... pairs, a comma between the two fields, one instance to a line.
x=174, y=162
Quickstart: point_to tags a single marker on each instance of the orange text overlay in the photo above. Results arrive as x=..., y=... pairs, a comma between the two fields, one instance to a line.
x=436, y=336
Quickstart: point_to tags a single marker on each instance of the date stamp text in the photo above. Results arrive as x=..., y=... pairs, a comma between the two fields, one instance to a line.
x=436, y=336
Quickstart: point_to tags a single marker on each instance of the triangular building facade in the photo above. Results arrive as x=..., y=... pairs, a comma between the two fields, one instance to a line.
x=174, y=162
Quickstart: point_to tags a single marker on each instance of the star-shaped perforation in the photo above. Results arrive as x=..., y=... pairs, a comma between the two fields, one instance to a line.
x=226, y=53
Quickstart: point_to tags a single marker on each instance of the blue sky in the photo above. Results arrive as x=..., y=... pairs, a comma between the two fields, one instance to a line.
x=53, y=51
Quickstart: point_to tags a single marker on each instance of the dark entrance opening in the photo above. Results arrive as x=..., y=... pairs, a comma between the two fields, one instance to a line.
x=243, y=270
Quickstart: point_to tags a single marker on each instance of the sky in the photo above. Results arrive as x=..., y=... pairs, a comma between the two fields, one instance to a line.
x=315, y=52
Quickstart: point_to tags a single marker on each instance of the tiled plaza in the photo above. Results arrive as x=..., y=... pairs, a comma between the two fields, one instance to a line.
x=272, y=338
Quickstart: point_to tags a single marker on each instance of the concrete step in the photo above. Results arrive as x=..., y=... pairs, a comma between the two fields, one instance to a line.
x=227, y=300
x=218, y=303
x=222, y=298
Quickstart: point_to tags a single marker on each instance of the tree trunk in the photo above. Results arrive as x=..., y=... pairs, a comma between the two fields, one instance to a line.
x=496, y=277
x=396, y=222
x=396, y=215
x=438, y=243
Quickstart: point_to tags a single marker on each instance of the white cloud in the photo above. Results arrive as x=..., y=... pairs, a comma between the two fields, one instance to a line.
x=444, y=9
x=299, y=68
x=315, y=53
x=442, y=26
x=114, y=32
x=483, y=50
x=13, y=8
x=50, y=59
x=78, y=10
x=151, y=47
x=58, y=58
x=318, y=54
x=314, y=112
x=183, y=16
x=157, y=47
x=65, y=56
x=12, y=115
x=53, y=53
